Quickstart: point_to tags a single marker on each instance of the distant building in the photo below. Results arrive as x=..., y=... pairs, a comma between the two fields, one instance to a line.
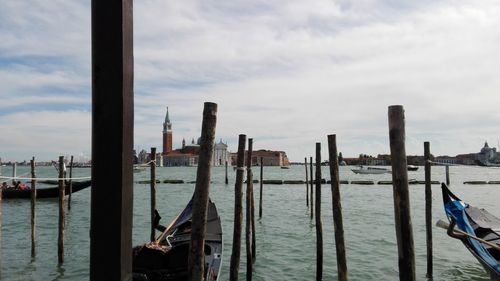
x=488, y=156
x=187, y=155
x=167, y=135
x=269, y=158
x=446, y=159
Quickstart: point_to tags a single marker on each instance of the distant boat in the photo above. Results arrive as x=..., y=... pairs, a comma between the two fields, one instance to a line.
x=412, y=168
x=371, y=170
x=478, y=230
x=49, y=192
x=139, y=168
x=285, y=167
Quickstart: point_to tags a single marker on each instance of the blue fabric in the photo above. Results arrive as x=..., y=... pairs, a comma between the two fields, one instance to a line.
x=456, y=210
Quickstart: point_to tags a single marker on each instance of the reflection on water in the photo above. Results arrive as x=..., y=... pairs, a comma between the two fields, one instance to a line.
x=285, y=235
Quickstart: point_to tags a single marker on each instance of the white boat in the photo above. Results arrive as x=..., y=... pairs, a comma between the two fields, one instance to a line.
x=370, y=170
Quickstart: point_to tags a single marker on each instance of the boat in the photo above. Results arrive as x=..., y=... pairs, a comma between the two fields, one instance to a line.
x=43, y=192
x=139, y=168
x=167, y=257
x=412, y=168
x=285, y=167
x=478, y=230
x=370, y=170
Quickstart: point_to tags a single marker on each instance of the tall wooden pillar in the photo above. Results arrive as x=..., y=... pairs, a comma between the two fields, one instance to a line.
x=112, y=140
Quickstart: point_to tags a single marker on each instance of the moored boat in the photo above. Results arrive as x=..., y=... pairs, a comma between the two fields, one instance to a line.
x=412, y=168
x=477, y=229
x=370, y=170
x=167, y=257
x=43, y=192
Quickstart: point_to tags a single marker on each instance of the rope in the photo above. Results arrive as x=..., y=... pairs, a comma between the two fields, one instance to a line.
x=241, y=169
x=20, y=178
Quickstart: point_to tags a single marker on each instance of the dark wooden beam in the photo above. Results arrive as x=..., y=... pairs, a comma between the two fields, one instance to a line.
x=112, y=140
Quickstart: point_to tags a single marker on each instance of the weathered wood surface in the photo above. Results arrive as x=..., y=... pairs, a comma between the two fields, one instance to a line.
x=33, y=206
x=70, y=182
x=307, y=182
x=319, y=225
x=428, y=207
x=201, y=194
x=60, y=236
x=238, y=210
x=152, y=186
x=112, y=140
x=261, y=185
x=338, y=224
x=404, y=231
x=248, y=224
x=311, y=189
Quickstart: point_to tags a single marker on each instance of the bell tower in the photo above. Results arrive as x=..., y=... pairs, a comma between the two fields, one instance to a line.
x=167, y=135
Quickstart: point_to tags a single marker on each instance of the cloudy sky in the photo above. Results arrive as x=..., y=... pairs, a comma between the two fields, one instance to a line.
x=286, y=73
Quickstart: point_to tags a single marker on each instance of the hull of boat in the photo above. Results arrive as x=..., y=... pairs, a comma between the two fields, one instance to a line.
x=50, y=192
x=171, y=263
x=479, y=223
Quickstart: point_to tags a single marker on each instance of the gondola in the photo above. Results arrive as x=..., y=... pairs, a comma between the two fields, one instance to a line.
x=167, y=257
x=43, y=192
x=478, y=223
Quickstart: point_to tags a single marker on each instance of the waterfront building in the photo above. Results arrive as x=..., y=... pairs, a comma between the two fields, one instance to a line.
x=445, y=159
x=488, y=155
x=269, y=158
x=187, y=155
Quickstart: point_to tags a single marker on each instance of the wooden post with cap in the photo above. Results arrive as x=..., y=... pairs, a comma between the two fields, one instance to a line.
x=60, y=237
x=33, y=204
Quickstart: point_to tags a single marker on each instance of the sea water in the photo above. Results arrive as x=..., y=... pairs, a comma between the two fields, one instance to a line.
x=286, y=236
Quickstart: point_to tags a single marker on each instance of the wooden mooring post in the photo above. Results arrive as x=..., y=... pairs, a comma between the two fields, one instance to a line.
x=428, y=207
x=60, y=236
x=70, y=182
x=319, y=226
x=33, y=205
x=404, y=231
x=248, y=225
x=196, y=257
x=112, y=140
x=152, y=165
x=14, y=173
x=311, y=187
x=337, y=209
x=447, y=172
x=307, y=183
x=261, y=185
x=238, y=210
x=226, y=179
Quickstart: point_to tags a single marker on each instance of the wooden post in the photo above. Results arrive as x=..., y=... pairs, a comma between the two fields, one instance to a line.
x=252, y=214
x=60, y=237
x=227, y=180
x=33, y=204
x=152, y=165
x=70, y=182
x=311, y=185
x=404, y=232
x=447, y=169
x=319, y=226
x=248, y=224
x=261, y=185
x=238, y=210
x=14, y=173
x=337, y=209
x=428, y=207
x=196, y=257
x=307, y=183
x=112, y=140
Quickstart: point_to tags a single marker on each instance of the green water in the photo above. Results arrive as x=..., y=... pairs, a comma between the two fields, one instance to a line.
x=286, y=236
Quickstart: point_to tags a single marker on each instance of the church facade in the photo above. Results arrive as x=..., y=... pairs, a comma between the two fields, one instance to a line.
x=188, y=154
